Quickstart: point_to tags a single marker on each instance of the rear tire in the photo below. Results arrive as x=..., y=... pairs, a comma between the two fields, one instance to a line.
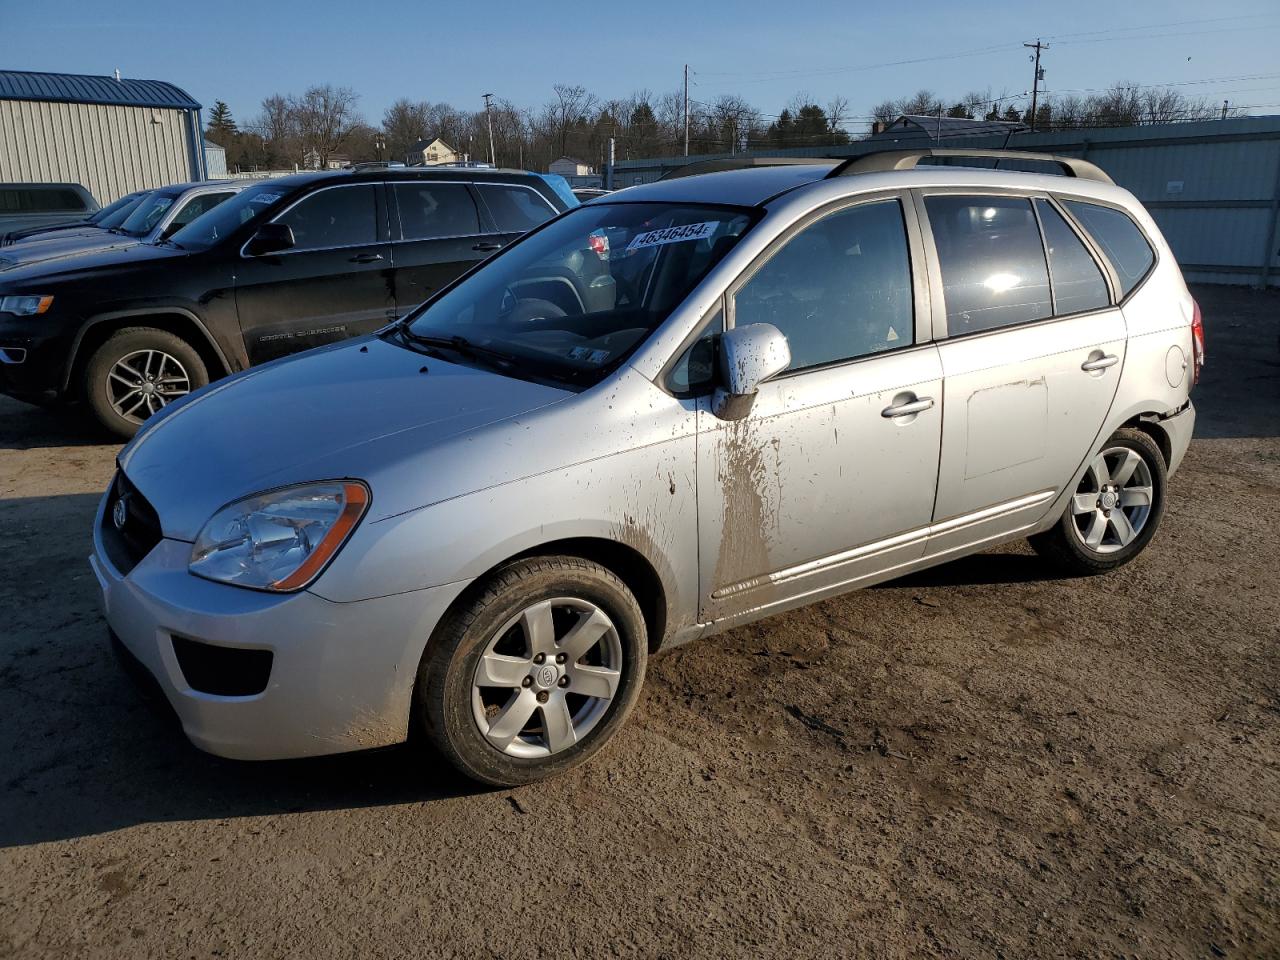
x=536, y=673
x=136, y=373
x=1115, y=510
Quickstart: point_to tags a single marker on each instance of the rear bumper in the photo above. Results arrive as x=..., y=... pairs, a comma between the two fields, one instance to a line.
x=341, y=677
x=1179, y=428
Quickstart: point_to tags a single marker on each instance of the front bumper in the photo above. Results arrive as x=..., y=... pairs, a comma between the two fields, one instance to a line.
x=341, y=677
x=33, y=356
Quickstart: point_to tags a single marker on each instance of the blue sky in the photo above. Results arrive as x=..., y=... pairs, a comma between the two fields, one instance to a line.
x=765, y=51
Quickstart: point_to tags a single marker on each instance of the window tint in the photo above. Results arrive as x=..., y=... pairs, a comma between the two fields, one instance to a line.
x=839, y=289
x=1120, y=239
x=516, y=209
x=436, y=210
x=198, y=205
x=40, y=200
x=992, y=260
x=1077, y=282
x=337, y=217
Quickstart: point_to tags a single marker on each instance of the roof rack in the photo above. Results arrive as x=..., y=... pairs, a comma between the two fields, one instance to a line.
x=736, y=163
x=887, y=160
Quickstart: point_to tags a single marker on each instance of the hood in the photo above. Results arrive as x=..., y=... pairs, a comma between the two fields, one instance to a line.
x=42, y=261
x=62, y=245
x=353, y=410
x=40, y=235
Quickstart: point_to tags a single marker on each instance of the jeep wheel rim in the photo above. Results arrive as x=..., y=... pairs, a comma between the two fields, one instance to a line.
x=142, y=382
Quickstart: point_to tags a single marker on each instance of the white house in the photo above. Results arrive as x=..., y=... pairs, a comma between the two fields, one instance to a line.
x=431, y=152
x=570, y=167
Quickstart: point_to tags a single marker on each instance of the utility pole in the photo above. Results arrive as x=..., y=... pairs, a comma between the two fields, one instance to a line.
x=613, y=158
x=1039, y=75
x=1224, y=109
x=686, y=109
x=489, y=118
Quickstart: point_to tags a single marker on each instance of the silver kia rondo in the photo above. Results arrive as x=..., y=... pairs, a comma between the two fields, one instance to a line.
x=673, y=410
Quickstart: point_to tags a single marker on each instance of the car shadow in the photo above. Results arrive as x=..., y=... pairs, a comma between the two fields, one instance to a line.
x=27, y=427
x=980, y=569
x=83, y=752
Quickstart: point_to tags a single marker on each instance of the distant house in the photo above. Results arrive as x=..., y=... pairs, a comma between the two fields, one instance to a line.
x=570, y=167
x=215, y=160
x=335, y=161
x=913, y=128
x=430, y=152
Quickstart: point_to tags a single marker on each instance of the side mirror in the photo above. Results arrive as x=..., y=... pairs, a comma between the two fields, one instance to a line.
x=270, y=238
x=749, y=356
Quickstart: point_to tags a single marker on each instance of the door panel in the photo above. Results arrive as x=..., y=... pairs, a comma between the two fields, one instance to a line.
x=788, y=495
x=441, y=237
x=337, y=282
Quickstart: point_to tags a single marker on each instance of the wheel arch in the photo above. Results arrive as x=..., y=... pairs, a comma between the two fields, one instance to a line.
x=176, y=320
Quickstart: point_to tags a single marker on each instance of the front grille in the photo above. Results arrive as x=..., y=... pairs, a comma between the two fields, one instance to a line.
x=128, y=542
x=225, y=671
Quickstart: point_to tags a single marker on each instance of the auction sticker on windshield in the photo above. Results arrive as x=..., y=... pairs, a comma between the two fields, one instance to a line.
x=689, y=231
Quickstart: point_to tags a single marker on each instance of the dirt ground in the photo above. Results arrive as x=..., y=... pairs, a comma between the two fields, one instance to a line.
x=981, y=761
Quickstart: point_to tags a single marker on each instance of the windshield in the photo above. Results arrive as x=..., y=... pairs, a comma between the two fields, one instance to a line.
x=573, y=300
x=147, y=214
x=229, y=216
x=113, y=214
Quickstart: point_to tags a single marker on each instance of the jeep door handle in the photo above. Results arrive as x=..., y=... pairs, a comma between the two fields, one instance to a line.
x=487, y=246
x=1110, y=360
x=366, y=258
x=908, y=408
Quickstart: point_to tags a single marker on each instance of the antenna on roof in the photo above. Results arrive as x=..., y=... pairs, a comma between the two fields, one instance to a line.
x=117, y=74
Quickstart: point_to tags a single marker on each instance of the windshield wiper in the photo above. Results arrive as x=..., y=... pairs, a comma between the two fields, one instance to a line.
x=460, y=345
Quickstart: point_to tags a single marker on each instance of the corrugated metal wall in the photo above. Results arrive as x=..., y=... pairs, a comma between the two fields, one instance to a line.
x=112, y=150
x=1212, y=186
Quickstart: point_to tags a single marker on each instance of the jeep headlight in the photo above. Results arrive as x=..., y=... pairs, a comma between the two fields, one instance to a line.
x=279, y=540
x=25, y=305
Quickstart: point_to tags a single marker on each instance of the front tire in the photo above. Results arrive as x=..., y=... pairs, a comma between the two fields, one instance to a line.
x=536, y=673
x=1115, y=510
x=136, y=373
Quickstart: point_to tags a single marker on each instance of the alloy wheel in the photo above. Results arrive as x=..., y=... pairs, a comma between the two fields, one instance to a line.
x=1113, y=502
x=547, y=677
x=142, y=382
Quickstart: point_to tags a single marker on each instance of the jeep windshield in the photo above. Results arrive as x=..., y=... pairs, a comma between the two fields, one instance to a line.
x=229, y=216
x=572, y=301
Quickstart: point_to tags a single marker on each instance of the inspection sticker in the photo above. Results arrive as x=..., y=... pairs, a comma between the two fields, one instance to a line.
x=689, y=231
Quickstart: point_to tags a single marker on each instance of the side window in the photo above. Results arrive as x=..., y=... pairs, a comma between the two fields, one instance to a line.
x=516, y=209
x=992, y=261
x=696, y=371
x=1077, y=282
x=429, y=210
x=198, y=205
x=1120, y=239
x=337, y=217
x=839, y=289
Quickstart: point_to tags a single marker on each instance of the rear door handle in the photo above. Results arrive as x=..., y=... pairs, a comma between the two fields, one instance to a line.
x=487, y=246
x=908, y=408
x=1109, y=360
x=366, y=258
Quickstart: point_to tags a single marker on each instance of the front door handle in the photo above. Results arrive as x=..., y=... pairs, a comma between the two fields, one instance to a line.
x=487, y=246
x=1101, y=363
x=907, y=409
x=366, y=258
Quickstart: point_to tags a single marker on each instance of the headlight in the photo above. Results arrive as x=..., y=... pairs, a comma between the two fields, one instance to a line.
x=279, y=540
x=25, y=306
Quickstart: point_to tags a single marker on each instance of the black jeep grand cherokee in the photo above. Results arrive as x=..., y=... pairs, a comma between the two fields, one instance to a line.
x=284, y=265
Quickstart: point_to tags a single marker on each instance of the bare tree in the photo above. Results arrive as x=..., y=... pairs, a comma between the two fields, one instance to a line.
x=325, y=117
x=569, y=109
x=404, y=123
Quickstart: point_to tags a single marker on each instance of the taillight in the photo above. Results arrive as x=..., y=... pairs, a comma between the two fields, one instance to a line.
x=1197, y=343
x=600, y=244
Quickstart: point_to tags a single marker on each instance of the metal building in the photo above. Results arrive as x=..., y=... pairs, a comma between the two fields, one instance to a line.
x=1213, y=186
x=112, y=135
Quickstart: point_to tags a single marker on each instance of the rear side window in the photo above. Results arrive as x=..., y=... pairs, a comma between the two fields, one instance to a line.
x=337, y=217
x=992, y=260
x=41, y=200
x=430, y=210
x=198, y=205
x=1078, y=284
x=839, y=289
x=515, y=209
x=1120, y=239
